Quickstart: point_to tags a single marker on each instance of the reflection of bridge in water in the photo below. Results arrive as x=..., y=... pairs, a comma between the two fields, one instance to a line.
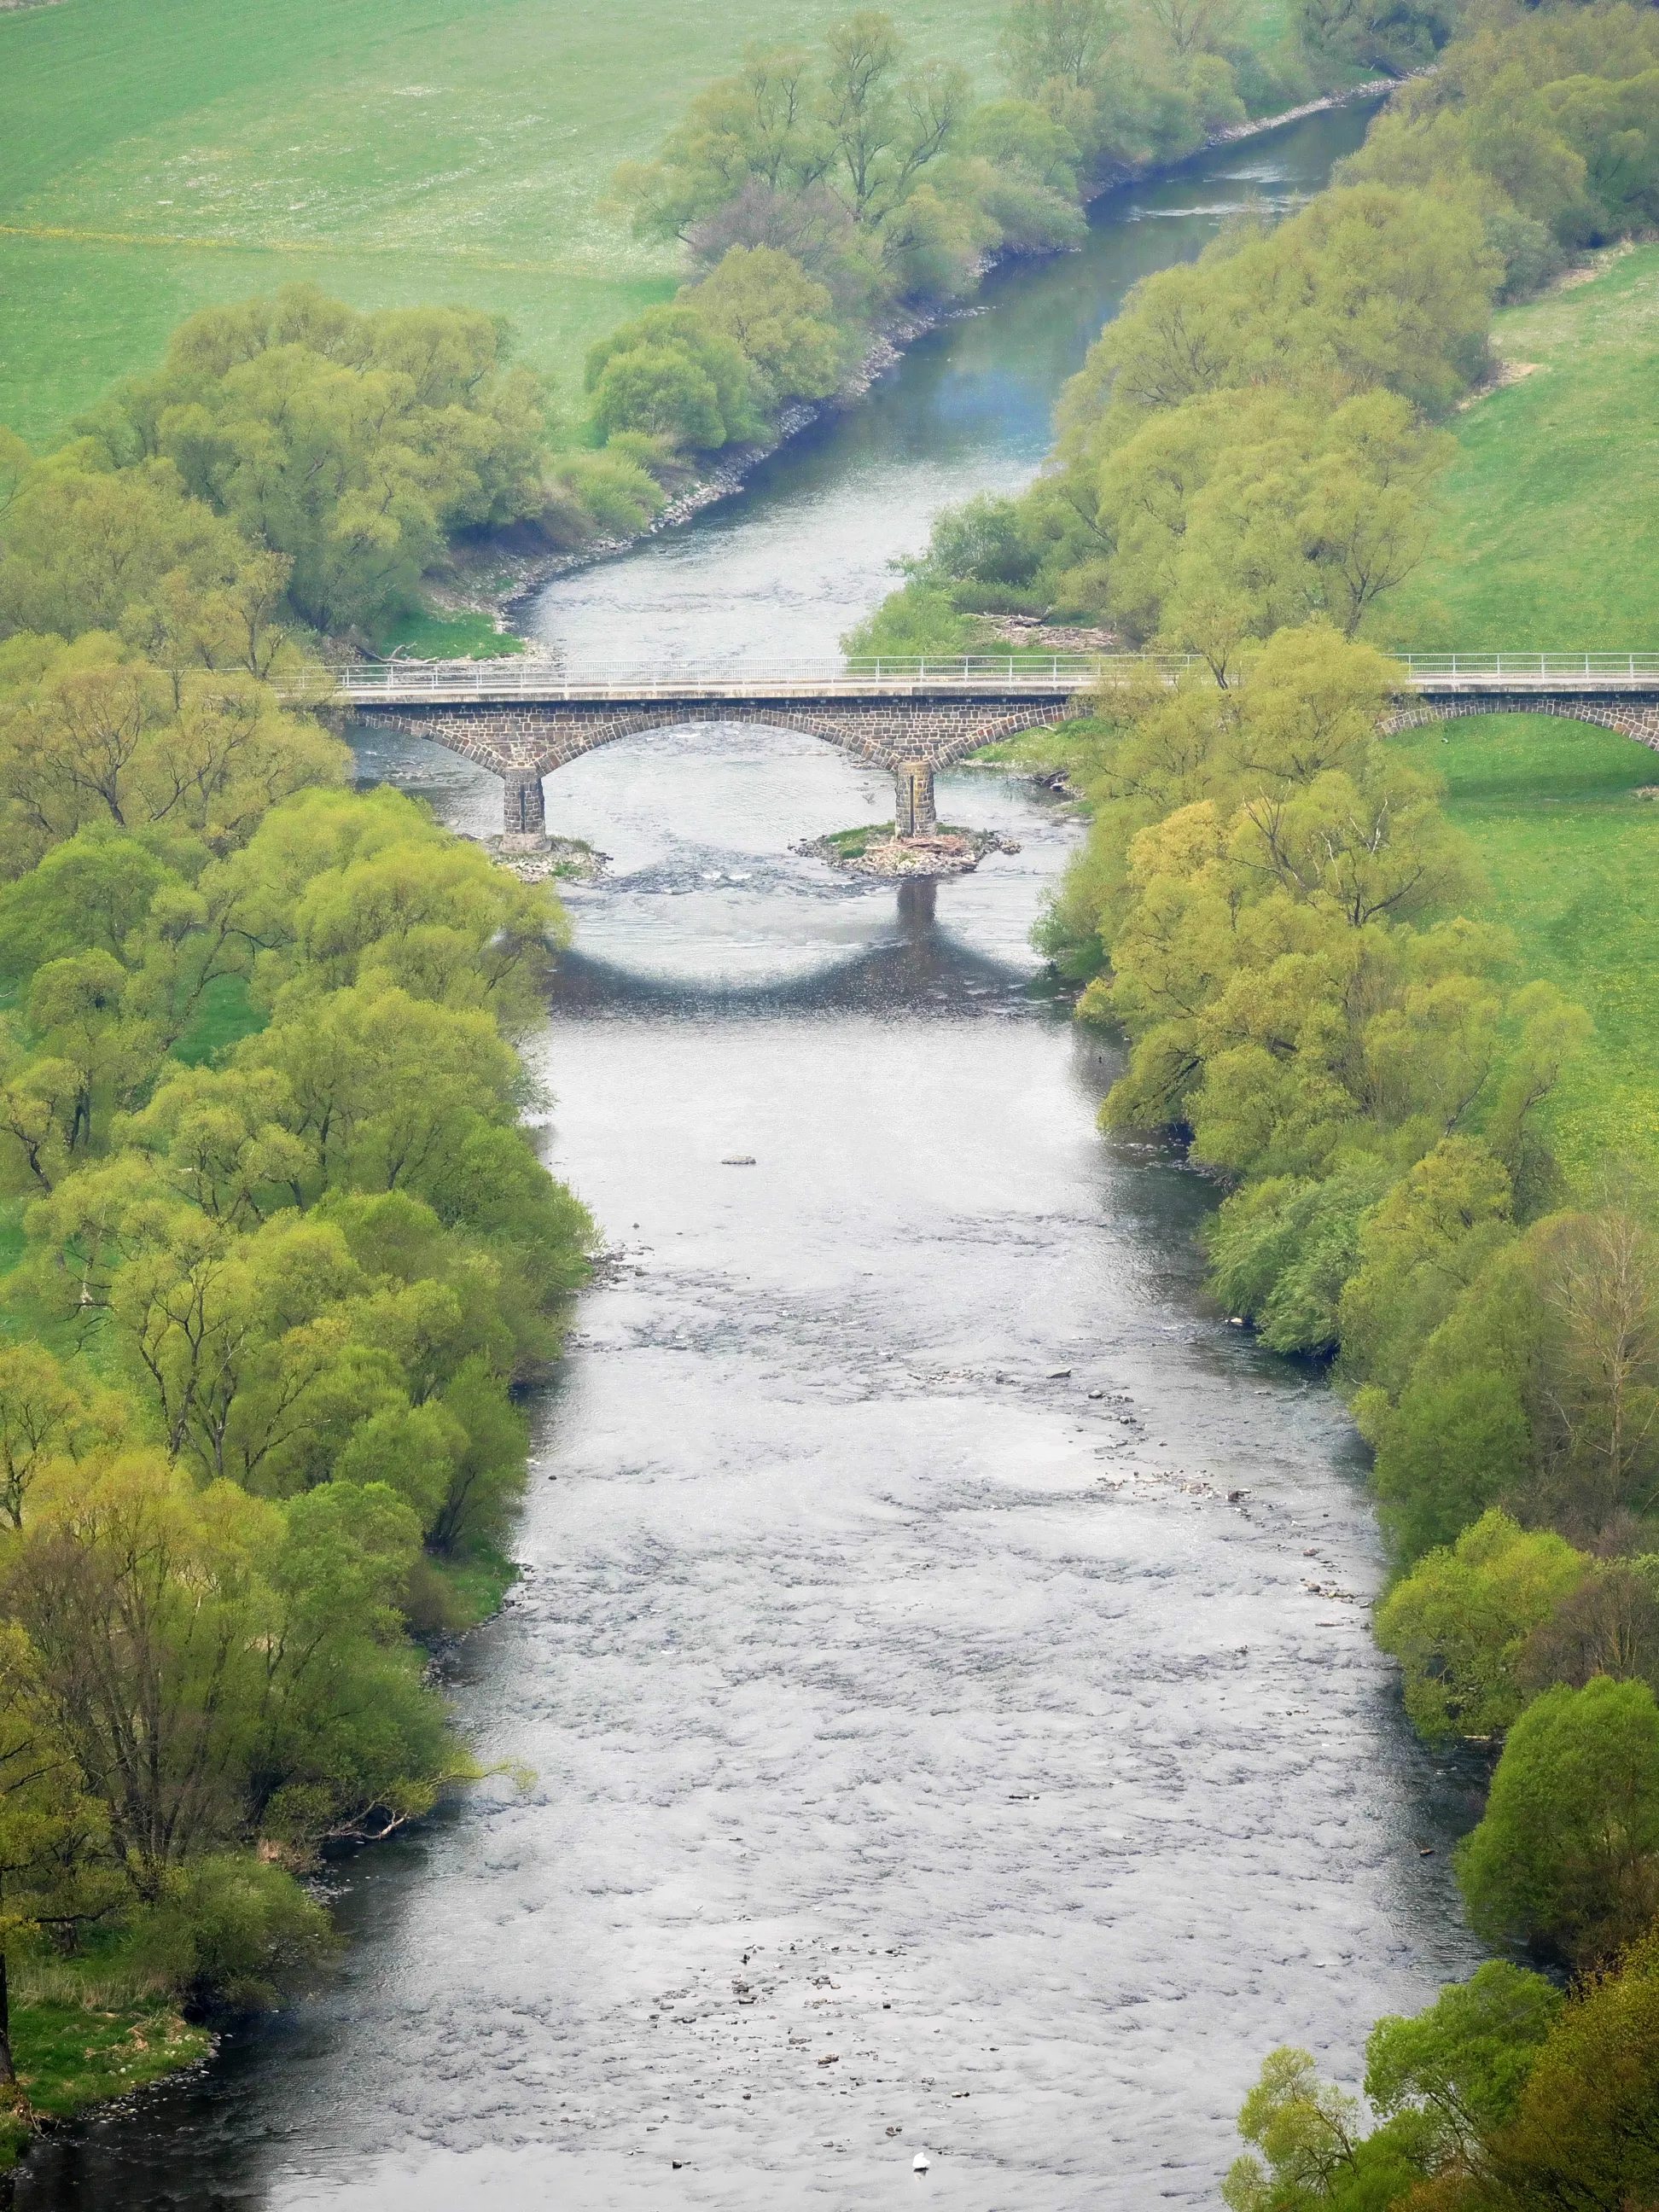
x=523, y=720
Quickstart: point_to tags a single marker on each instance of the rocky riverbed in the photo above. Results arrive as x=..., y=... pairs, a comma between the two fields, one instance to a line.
x=877, y=852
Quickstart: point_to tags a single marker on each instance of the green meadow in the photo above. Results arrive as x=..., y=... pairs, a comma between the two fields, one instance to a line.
x=1549, y=539
x=157, y=156
x=1572, y=853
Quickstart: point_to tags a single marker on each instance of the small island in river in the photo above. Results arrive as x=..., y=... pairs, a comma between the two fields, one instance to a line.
x=876, y=850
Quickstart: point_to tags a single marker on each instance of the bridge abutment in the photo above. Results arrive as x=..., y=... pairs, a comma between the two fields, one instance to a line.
x=914, y=811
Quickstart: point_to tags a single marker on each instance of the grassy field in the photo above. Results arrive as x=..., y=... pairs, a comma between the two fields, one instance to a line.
x=1550, y=539
x=73, y=2056
x=160, y=156
x=1572, y=856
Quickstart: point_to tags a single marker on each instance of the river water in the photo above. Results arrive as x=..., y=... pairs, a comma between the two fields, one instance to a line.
x=939, y=1688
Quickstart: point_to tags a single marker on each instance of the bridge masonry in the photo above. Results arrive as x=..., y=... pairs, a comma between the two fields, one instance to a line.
x=912, y=718
x=522, y=741
x=1632, y=715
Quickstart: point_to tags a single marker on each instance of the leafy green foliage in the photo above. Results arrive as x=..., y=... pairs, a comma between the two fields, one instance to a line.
x=350, y=444
x=1464, y=2063
x=1279, y=953
x=1282, y=1252
x=1567, y=1853
x=1503, y=2096
x=1553, y=118
x=237, y=1935
x=293, y=1251
x=1399, y=36
x=1460, y=1622
x=782, y=321
x=1587, y=2127
x=1313, y=2151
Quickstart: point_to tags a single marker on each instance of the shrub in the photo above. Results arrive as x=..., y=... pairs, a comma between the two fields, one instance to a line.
x=236, y=1935
x=1567, y=1854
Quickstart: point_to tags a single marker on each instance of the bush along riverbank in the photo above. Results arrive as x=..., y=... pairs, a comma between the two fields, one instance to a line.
x=1259, y=437
x=1275, y=910
x=279, y=1260
x=391, y=480
x=1318, y=1008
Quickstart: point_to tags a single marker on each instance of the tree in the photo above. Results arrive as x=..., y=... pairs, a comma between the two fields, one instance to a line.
x=1459, y=1437
x=670, y=374
x=142, y=1600
x=1464, y=2062
x=51, y=1832
x=82, y=544
x=1600, y=1384
x=89, y=734
x=1232, y=515
x=44, y=1417
x=780, y=318
x=1058, y=41
x=761, y=127
x=1283, y=1251
x=349, y=445
x=1428, y=1239
x=1310, y=2137
x=1396, y=35
x=1460, y=1622
x=981, y=541
x=885, y=136
x=1567, y=1853
x=1189, y=27
x=215, y=1661
x=1608, y=1626
x=1019, y=135
x=1259, y=941
x=1586, y=2133
x=661, y=391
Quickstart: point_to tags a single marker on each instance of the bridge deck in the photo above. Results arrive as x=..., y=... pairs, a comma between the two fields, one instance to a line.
x=982, y=677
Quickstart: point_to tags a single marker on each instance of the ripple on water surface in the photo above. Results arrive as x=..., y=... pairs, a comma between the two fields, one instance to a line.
x=942, y=1650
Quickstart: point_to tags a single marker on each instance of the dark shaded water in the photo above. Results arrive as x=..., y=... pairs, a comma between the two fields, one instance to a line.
x=941, y=1652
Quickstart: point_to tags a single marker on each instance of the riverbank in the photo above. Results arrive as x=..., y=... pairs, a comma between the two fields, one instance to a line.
x=81, y=2044
x=891, y=1603
x=498, y=579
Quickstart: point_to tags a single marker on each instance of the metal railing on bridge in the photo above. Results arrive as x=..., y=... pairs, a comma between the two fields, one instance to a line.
x=1503, y=668
x=1037, y=674
x=549, y=680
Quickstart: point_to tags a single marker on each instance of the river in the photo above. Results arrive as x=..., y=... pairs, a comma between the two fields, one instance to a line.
x=939, y=1681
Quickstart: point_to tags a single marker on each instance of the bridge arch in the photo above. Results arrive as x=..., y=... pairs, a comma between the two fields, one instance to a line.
x=522, y=741
x=1632, y=718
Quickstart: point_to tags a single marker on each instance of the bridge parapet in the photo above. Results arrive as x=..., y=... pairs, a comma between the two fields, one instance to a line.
x=523, y=719
x=969, y=675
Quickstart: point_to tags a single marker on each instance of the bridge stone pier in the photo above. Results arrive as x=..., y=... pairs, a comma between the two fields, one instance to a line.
x=522, y=720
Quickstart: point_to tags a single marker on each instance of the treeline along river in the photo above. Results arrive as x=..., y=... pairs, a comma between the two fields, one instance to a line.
x=942, y=1651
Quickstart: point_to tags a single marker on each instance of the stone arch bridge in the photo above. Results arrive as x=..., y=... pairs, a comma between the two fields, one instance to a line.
x=522, y=722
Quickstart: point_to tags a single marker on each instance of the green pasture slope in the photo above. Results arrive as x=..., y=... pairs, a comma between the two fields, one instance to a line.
x=160, y=155
x=1571, y=854
x=1550, y=537
x=1550, y=540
